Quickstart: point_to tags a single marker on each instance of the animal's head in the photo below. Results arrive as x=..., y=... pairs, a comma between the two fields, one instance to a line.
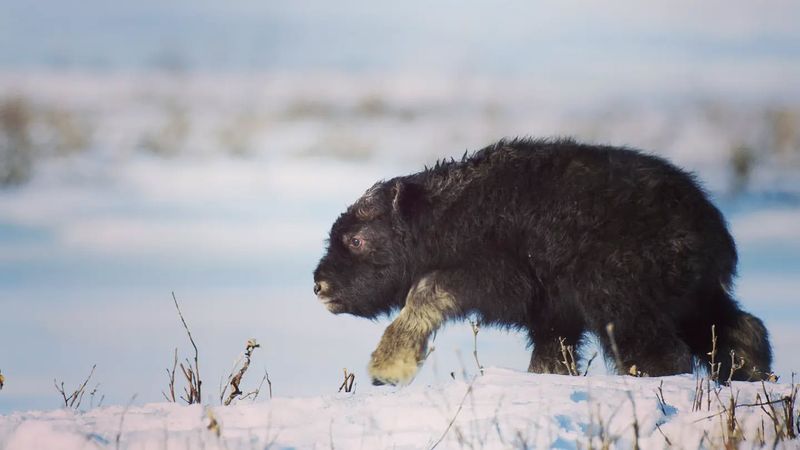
x=367, y=267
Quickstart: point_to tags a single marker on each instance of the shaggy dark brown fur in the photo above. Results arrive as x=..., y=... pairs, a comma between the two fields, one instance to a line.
x=555, y=238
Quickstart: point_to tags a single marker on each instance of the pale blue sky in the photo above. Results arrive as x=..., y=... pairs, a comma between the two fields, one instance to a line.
x=519, y=36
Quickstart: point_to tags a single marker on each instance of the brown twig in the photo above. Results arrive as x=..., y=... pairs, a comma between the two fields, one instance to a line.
x=734, y=366
x=194, y=390
x=236, y=380
x=349, y=379
x=662, y=403
x=658, y=427
x=258, y=390
x=475, y=328
x=697, y=404
x=455, y=416
x=92, y=394
x=171, y=377
x=122, y=418
x=589, y=364
x=714, y=366
x=568, y=357
x=74, y=400
x=743, y=405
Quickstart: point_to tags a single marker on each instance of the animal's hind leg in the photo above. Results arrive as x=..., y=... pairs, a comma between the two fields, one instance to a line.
x=647, y=342
x=735, y=331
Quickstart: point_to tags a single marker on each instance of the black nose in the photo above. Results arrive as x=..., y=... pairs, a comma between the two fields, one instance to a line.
x=317, y=288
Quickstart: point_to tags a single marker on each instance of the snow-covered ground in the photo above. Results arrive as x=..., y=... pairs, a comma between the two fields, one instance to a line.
x=501, y=409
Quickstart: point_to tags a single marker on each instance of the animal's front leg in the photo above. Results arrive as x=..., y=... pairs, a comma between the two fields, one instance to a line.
x=405, y=341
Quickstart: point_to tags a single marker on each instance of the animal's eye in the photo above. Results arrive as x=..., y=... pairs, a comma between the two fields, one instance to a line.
x=355, y=242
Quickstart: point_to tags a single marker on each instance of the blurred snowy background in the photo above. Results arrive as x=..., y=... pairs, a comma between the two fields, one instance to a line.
x=206, y=147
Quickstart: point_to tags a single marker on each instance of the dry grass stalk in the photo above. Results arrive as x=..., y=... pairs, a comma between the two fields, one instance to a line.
x=122, y=419
x=734, y=366
x=697, y=404
x=589, y=364
x=171, y=376
x=92, y=395
x=791, y=418
x=714, y=366
x=74, y=400
x=732, y=434
x=785, y=422
x=568, y=357
x=761, y=434
x=662, y=403
x=475, y=328
x=455, y=416
x=666, y=439
x=235, y=380
x=600, y=429
x=349, y=379
x=193, y=390
x=257, y=391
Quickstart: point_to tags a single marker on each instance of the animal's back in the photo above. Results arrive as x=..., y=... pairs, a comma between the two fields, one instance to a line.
x=574, y=205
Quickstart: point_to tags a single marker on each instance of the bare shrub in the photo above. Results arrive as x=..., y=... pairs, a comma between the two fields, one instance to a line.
x=76, y=397
x=193, y=389
x=234, y=380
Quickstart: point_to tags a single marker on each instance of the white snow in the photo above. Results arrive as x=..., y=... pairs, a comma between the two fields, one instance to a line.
x=501, y=409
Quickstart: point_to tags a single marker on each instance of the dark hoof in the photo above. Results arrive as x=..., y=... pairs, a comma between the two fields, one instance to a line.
x=377, y=382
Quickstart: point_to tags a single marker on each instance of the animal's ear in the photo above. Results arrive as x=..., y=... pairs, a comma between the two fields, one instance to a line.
x=408, y=200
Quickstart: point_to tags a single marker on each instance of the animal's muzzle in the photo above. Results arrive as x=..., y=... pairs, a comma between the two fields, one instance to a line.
x=321, y=288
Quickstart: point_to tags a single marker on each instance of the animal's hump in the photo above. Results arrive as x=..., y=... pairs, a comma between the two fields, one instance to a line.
x=506, y=147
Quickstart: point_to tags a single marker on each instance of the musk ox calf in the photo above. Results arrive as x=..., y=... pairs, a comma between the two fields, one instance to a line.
x=554, y=238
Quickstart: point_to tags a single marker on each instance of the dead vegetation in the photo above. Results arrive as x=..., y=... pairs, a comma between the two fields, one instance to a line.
x=784, y=418
x=349, y=380
x=74, y=399
x=192, y=392
x=235, y=377
x=475, y=328
x=30, y=131
x=16, y=145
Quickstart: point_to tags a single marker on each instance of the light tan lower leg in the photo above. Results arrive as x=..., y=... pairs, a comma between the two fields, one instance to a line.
x=405, y=341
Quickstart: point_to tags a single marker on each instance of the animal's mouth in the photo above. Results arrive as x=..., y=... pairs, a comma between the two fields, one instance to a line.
x=333, y=305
